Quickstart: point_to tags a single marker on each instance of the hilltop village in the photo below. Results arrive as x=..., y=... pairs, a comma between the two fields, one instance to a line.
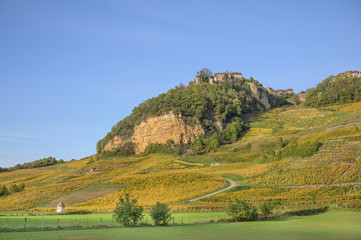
x=234, y=76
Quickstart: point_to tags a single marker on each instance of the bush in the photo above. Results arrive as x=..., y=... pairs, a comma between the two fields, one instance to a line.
x=127, y=211
x=160, y=214
x=22, y=186
x=77, y=212
x=267, y=207
x=309, y=211
x=242, y=211
x=14, y=188
x=300, y=148
x=4, y=191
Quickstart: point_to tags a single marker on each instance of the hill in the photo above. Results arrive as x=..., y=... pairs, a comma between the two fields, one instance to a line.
x=214, y=110
x=343, y=88
x=261, y=161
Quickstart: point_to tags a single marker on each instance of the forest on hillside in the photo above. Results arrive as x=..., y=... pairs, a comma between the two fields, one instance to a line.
x=335, y=90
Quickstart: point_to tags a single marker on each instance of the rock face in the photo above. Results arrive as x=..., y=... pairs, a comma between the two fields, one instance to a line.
x=114, y=142
x=260, y=93
x=158, y=130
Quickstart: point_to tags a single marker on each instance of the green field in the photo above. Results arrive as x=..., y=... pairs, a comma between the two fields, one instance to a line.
x=51, y=221
x=332, y=225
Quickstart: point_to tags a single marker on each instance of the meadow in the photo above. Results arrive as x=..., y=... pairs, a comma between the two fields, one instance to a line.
x=332, y=225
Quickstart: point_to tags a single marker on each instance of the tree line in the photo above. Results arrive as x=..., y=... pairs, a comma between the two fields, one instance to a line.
x=13, y=189
x=35, y=164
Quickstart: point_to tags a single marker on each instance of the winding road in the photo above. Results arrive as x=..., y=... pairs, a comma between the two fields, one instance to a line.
x=233, y=184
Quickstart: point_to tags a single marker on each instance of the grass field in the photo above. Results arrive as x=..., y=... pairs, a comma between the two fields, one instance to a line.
x=94, y=219
x=332, y=225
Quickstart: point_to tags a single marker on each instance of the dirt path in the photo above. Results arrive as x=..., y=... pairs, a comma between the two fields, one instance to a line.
x=325, y=185
x=233, y=184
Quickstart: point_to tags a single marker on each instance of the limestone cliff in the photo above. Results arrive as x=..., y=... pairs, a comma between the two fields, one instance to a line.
x=113, y=143
x=158, y=130
x=260, y=93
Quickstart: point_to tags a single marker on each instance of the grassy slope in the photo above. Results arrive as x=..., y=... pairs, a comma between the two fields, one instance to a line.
x=173, y=179
x=333, y=225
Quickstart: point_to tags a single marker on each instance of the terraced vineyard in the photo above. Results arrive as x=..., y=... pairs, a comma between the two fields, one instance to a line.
x=260, y=162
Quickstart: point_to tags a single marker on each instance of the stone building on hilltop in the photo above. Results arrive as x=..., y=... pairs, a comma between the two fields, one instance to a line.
x=254, y=84
x=219, y=77
x=350, y=74
x=280, y=92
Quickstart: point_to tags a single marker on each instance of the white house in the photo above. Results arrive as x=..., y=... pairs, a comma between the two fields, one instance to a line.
x=60, y=207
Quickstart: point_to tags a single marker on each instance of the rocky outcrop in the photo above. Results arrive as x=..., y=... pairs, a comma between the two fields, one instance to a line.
x=260, y=93
x=158, y=130
x=114, y=142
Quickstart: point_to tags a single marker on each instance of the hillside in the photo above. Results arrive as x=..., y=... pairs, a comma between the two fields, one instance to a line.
x=340, y=89
x=294, y=155
x=213, y=110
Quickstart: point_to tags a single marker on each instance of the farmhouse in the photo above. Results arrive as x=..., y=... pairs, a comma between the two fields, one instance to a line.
x=60, y=207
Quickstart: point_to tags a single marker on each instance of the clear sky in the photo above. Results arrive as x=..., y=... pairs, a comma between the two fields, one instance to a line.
x=71, y=69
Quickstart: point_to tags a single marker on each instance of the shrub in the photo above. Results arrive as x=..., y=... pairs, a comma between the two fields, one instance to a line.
x=127, y=211
x=14, y=188
x=4, y=191
x=300, y=148
x=160, y=214
x=242, y=211
x=267, y=207
x=22, y=186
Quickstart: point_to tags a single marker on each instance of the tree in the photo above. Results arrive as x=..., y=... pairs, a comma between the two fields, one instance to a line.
x=295, y=99
x=160, y=214
x=14, y=188
x=21, y=186
x=128, y=212
x=242, y=211
x=4, y=191
x=204, y=74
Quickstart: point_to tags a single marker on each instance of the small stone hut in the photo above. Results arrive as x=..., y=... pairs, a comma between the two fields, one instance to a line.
x=60, y=207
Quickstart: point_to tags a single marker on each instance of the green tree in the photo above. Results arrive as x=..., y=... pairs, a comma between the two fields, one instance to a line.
x=128, y=212
x=296, y=99
x=160, y=214
x=204, y=74
x=242, y=211
x=197, y=144
x=4, y=191
x=14, y=188
x=22, y=186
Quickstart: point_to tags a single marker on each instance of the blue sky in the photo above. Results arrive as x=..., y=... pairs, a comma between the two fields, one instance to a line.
x=70, y=70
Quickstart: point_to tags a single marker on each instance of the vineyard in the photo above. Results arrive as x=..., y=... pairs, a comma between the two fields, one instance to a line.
x=261, y=162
